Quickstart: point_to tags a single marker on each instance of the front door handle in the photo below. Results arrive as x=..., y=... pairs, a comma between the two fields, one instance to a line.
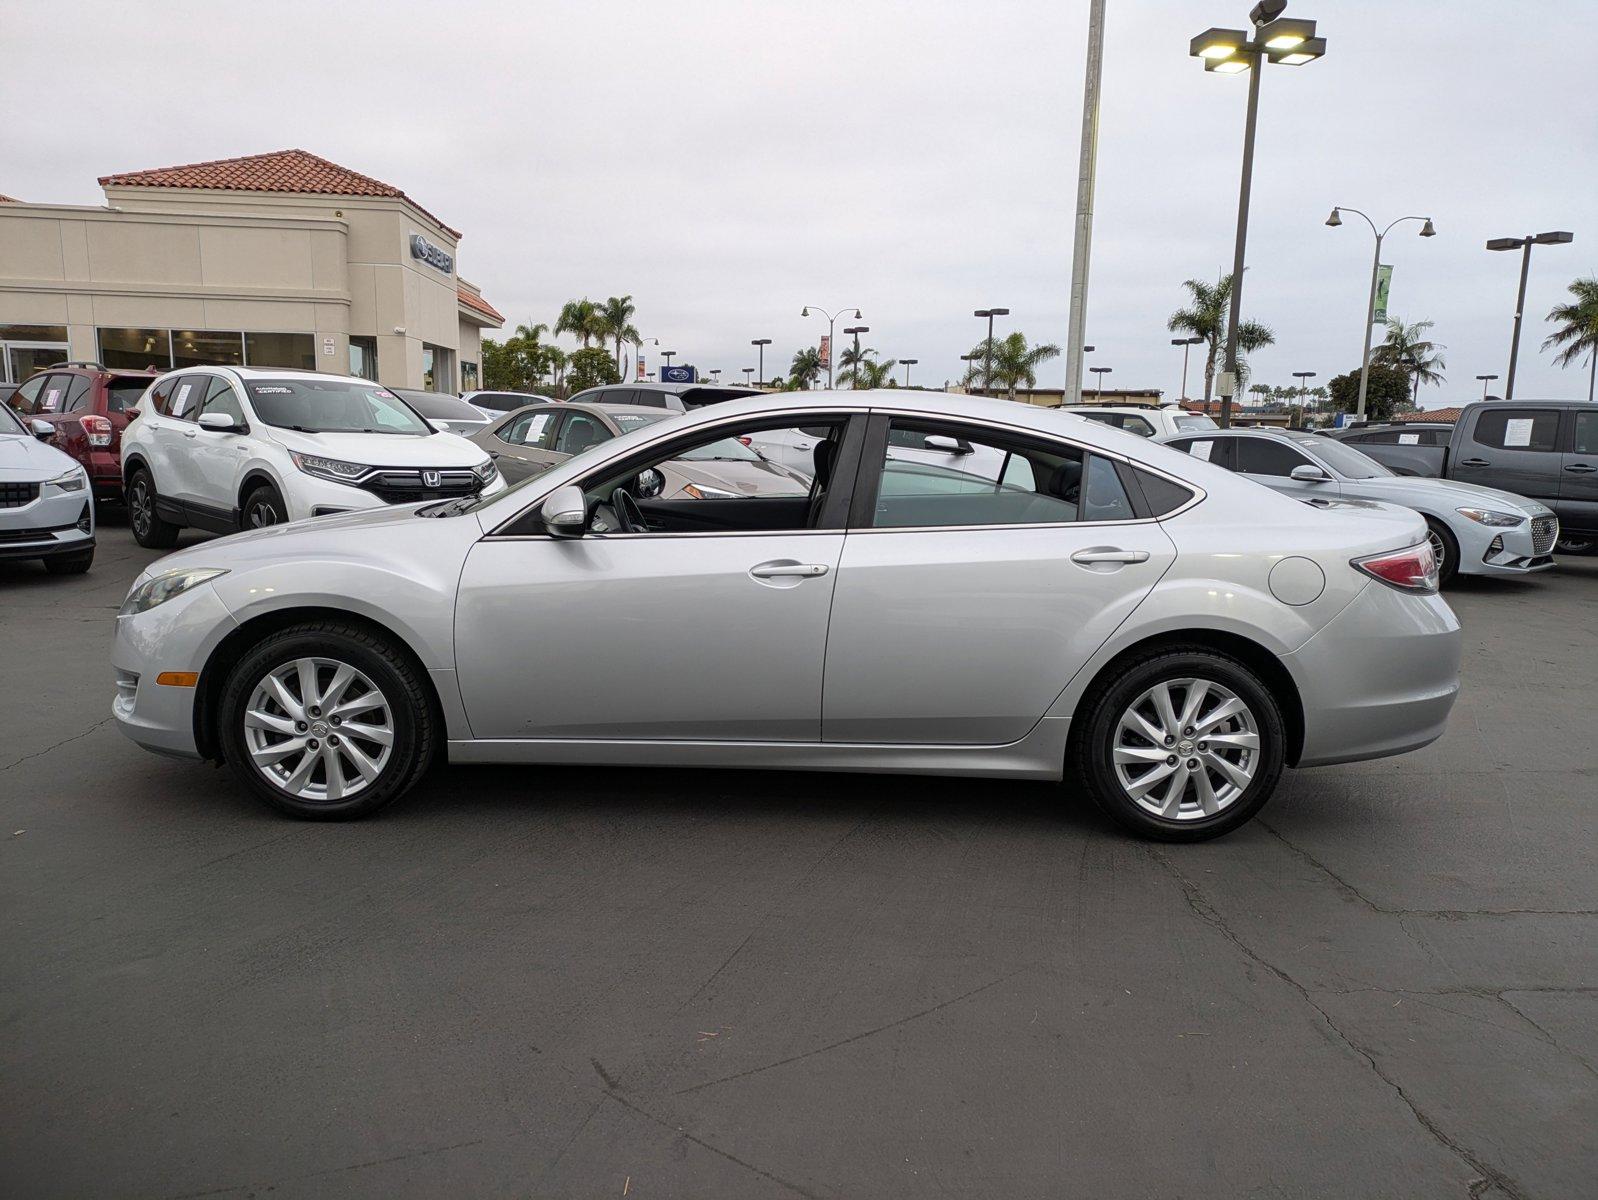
x=788, y=570
x=1088, y=557
x=1582, y=468
x=1474, y=462
x=191, y=433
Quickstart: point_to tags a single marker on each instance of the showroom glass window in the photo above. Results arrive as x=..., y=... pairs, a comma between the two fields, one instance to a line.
x=280, y=350
x=136, y=349
x=363, y=358
x=207, y=348
x=469, y=377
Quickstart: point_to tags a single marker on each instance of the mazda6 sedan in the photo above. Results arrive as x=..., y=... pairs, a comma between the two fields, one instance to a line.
x=1149, y=629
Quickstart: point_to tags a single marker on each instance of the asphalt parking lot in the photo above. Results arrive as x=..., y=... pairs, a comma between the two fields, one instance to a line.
x=534, y=982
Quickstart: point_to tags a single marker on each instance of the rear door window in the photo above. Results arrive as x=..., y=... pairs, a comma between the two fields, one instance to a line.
x=534, y=430
x=1141, y=426
x=1586, y=433
x=1213, y=450
x=53, y=395
x=1535, y=429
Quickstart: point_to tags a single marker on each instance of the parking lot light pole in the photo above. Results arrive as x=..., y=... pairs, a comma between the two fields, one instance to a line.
x=856, y=331
x=760, y=368
x=831, y=320
x=1485, y=380
x=1277, y=39
x=1557, y=237
x=1426, y=230
x=987, y=353
x=1187, y=345
x=969, y=360
x=907, y=363
x=667, y=355
x=749, y=373
x=1098, y=384
x=1303, y=378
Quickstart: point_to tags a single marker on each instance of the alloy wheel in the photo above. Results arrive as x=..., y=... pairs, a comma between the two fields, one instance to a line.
x=142, y=508
x=318, y=729
x=261, y=514
x=1439, y=549
x=1186, y=749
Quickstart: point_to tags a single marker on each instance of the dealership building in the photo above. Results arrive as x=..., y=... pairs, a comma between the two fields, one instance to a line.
x=281, y=259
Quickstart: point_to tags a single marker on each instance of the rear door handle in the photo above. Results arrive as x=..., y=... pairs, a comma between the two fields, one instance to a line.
x=1474, y=462
x=1582, y=468
x=1087, y=557
x=788, y=570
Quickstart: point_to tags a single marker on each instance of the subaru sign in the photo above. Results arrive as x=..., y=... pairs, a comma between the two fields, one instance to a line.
x=678, y=375
x=431, y=255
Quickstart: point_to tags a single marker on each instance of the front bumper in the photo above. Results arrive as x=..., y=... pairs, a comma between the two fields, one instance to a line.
x=53, y=522
x=177, y=636
x=313, y=496
x=1379, y=679
x=1516, y=551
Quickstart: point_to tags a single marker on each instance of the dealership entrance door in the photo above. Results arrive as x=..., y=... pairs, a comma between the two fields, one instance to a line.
x=24, y=358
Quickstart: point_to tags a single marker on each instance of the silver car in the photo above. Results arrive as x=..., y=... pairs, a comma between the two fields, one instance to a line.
x=1160, y=633
x=46, y=510
x=1474, y=530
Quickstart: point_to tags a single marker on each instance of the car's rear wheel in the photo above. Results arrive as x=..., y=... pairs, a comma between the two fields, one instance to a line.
x=70, y=564
x=1445, y=548
x=327, y=721
x=149, y=529
x=262, y=507
x=1182, y=745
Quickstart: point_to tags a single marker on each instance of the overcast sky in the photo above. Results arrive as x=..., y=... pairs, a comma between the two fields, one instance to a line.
x=729, y=161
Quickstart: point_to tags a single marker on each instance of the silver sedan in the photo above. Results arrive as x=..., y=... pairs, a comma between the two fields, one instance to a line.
x=1157, y=633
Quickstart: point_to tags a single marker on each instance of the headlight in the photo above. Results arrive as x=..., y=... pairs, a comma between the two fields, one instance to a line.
x=329, y=468
x=73, y=481
x=1487, y=516
x=485, y=471
x=162, y=588
x=700, y=492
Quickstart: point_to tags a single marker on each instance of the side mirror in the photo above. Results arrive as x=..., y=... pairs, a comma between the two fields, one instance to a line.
x=219, y=423
x=565, y=512
x=440, y=426
x=1310, y=474
x=948, y=445
x=42, y=430
x=650, y=484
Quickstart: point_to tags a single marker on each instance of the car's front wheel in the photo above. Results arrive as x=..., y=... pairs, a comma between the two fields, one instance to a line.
x=327, y=721
x=1181, y=745
x=262, y=507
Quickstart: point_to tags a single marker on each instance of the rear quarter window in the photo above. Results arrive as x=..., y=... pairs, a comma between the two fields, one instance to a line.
x=123, y=394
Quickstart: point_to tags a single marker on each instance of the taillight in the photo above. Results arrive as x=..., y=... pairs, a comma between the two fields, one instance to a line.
x=1413, y=569
x=97, y=428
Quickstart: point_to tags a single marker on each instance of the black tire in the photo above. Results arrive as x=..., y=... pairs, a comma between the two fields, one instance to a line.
x=1094, y=742
x=150, y=529
x=410, y=717
x=263, y=507
x=1446, y=547
x=70, y=564
x=1576, y=544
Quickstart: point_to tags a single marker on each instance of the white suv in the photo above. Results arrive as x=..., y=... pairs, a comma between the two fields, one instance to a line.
x=226, y=448
x=1164, y=421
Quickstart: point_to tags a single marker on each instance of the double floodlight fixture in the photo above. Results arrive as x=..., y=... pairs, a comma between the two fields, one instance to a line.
x=1290, y=41
x=1555, y=237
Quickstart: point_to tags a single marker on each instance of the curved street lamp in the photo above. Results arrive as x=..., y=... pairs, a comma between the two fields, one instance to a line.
x=832, y=319
x=1427, y=230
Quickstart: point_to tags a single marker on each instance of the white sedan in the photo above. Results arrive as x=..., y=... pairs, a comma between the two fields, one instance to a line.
x=1473, y=530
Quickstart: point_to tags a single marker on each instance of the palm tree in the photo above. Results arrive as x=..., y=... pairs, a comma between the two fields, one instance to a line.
x=850, y=361
x=614, y=319
x=579, y=318
x=1014, y=362
x=1206, y=318
x=1408, y=349
x=1579, y=333
x=805, y=369
x=874, y=374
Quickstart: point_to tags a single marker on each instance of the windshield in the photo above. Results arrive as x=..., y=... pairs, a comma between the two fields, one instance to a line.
x=333, y=406
x=1196, y=421
x=726, y=450
x=1343, y=458
x=9, y=422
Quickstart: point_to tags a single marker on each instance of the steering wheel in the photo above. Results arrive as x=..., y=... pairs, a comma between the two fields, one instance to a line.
x=628, y=512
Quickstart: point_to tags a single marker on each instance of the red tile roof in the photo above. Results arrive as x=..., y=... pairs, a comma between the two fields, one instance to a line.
x=279, y=171
x=1446, y=416
x=478, y=304
x=9, y=200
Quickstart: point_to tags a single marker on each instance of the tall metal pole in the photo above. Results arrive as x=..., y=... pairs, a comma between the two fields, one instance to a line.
x=1087, y=171
x=1370, y=321
x=987, y=357
x=1186, y=347
x=1520, y=306
x=1256, y=69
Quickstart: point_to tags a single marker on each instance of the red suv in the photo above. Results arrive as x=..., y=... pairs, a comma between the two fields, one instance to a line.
x=88, y=405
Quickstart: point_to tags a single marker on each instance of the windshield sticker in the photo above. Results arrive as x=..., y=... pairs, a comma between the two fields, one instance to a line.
x=387, y=395
x=1202, y=450
x=1409, y=439
x=1517, y=431
x=269, y=390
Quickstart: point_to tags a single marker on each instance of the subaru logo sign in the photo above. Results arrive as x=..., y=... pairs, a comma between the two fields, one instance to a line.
x=431, y=255
x=678, y=375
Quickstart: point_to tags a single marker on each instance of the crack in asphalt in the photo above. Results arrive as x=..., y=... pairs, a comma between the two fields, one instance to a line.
x=355, y=1166
x=64, y=741
x=793, y=1058
x=1206, y=912
x=1445, y=913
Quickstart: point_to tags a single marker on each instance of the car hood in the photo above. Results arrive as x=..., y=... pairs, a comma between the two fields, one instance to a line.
x=24, y=457
x=384, y=449
x=742, y=478
x=1444, y=493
